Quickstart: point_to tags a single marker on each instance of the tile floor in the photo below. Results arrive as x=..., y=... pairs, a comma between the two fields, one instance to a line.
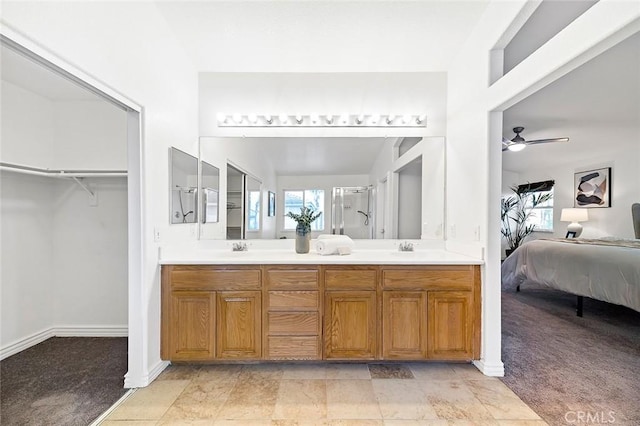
x=324, y=394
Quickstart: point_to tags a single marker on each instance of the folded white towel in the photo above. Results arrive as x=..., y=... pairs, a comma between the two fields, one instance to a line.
x=327, y=246
x=333, y=237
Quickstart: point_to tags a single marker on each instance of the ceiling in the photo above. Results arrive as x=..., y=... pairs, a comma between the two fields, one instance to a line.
x=29, y=75
x=322, y=36
x=603, y=93
x=319, y=156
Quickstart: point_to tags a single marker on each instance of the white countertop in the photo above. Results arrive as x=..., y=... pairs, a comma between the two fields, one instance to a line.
x=363, y=256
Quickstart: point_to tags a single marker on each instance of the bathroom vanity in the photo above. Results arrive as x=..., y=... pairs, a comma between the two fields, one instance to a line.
x=371, y=305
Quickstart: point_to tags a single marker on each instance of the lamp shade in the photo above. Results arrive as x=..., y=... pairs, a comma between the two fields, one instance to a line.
x=574, y=215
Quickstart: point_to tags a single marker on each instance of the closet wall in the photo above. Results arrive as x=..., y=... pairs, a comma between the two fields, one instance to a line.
x=64, y=260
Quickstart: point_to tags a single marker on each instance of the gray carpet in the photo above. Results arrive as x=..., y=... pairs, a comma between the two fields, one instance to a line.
x=562, y=365
x=62, y=381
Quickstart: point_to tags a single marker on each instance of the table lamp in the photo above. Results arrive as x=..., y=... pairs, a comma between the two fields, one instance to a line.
x=574, y=216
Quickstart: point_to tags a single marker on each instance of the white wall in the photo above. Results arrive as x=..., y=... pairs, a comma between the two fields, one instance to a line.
x=89, y=267
x=27, y=119
x=144, y=62
x=26, y=250
x=622, y=154
x=326, y=183
x=410, y=201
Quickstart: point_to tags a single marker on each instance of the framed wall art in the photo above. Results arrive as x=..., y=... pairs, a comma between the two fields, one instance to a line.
x=272, y=204
x=593, y=188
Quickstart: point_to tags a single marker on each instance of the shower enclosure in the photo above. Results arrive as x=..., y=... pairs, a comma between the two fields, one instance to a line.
x=352, y=211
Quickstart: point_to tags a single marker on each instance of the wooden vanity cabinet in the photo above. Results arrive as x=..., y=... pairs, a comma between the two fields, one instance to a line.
x=211, y=312
x=428, y=312
x=292, y=313
x=350, y=322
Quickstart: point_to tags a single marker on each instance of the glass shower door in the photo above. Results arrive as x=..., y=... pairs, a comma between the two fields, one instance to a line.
x=352, y=212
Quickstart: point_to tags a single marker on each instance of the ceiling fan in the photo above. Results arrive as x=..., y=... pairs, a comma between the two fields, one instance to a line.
x=518, y=143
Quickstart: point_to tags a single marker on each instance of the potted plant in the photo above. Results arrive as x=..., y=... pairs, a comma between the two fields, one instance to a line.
x=303, y=229
x=515, y=211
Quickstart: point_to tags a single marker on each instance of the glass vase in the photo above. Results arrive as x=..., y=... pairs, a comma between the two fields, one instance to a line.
x=303, y=238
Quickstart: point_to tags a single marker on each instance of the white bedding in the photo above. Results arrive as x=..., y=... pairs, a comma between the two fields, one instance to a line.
x=601, y=271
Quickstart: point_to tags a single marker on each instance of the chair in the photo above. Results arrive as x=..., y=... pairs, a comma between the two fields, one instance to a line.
x=635, y=215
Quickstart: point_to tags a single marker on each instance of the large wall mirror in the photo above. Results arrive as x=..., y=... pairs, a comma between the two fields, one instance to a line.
x=373, y=187
x=183, y=186
x=210, y=186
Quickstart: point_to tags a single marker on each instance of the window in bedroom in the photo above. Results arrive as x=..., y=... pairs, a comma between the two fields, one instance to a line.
x=295, y=199
x=542, y=214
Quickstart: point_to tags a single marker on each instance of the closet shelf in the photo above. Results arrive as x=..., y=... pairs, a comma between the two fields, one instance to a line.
x=16, y=168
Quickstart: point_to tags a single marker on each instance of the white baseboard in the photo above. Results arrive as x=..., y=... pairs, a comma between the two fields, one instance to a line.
x=25, y=343
x=495, y=369
x=63, y=331
x=145, y=380
x=91, y=331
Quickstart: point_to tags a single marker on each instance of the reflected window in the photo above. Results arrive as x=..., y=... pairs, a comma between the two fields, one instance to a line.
x=253, y=211
x=294, y=200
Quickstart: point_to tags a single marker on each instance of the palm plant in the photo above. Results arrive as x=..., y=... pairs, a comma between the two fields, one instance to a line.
x=514, y=213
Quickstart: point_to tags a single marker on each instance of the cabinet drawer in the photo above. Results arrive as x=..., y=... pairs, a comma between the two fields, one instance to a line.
x=203, y=278
x=293, y=301
x=294, y=279
x=293, y=347
x=293, y=323
x=350, y=279
x=454, y=278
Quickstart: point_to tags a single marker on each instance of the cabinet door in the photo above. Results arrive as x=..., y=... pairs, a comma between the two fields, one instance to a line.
x=238, y=325
x=450, y=325
x=404, y=325
x=350, y=324
x=191, y=326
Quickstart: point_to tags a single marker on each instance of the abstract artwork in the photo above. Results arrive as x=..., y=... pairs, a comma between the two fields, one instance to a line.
x=593, y=188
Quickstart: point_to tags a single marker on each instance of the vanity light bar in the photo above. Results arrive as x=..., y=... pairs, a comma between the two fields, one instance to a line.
x=321, y=120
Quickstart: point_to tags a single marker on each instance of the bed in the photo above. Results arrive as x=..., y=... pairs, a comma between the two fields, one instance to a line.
x=605, y=269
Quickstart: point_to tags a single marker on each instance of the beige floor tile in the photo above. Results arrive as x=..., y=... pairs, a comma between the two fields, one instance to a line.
x=305, y=371
x=300, y=422
x=185, y=422
x=351, y=399
x=440, y=423
x=522, y=423
x=218, y=372
x=179, y=372
x=129, y=423
x=251, y=422
x=501, y=402
x=262, y=371
x=150, y=403
x=453, y=400
x=301, y=399
x=201, y=400
x=253, y=397
x=402, y=399
x=351, y=422
x=348, y=371
x=470, y=372
x=432, y=371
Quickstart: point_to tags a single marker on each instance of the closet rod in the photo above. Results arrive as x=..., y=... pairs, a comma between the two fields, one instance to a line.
x=61, y=173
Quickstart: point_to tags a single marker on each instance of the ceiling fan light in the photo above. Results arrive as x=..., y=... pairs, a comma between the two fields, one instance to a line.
x=516, y=147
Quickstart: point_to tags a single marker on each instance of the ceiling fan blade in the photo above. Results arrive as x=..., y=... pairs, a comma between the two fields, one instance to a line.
x=537, y=141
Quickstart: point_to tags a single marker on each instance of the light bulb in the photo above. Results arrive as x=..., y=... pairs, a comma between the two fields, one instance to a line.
x=390, y=118
x=406, y=119
x=284, y=119
x=375, y=119
x=237, y=118
x=421, y=118
x=315, y=118
x=344, y=119
x=299, y=118
x=268, y=118
x=253, y=118
x=329, y=119
x=515, y=147
x=222, y=117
